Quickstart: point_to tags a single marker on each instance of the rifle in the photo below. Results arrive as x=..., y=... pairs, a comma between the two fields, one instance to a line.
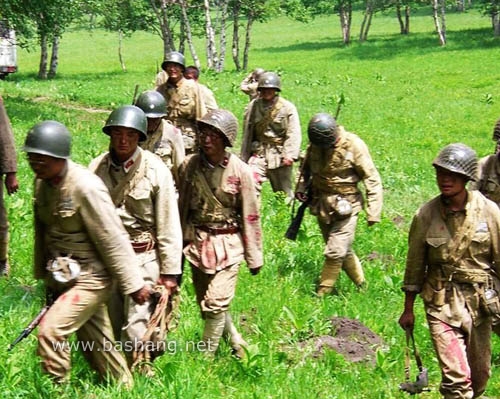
x=33, y=324
x=136, y=89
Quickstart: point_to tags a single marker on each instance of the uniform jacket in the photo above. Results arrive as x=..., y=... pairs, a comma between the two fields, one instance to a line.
x=77, y=217
x=449, y=281
x=488, y=179
x=230, y=201
x=272, y=133
x=147, y=205
x=338, y=171
x=8, y=161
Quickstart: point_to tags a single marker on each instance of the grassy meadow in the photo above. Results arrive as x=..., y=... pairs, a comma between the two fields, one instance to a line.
x=406, y=97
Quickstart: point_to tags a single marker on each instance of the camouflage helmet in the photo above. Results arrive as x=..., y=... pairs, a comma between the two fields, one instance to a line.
x=322, y=130
x=224, y=122
x=458, y=158
x=496, y=131
x=269, y=80
x=152, y=103
x=128, y=116
x=174, y=57
x=50, y=138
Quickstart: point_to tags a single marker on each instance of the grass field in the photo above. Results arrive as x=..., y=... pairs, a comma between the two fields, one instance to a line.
x=405, y=96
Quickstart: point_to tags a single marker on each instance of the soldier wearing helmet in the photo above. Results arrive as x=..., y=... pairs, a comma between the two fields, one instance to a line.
x=81, y=250
x=250, y=83
x=185, y=103
x=452, y=250
x=163, y=138
x=221, y=224
x=143, y=191
x=8, y=167
x=271, y=135
x=193, y=73
x=336, y=162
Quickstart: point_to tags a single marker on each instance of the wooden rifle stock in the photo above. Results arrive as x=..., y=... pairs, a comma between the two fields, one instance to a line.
x=293, y=229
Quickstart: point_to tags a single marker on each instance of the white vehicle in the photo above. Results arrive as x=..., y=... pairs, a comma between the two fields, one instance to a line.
x=8, y=55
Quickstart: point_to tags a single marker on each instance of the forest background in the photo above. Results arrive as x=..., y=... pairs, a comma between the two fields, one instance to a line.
x=405, y=95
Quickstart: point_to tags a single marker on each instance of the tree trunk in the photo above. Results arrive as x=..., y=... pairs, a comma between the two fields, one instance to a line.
x=189, y=35
x=345, y=14
x=120, y=53
x=407, y=19
x=222, y=40
x=495, y=20
x=435, y=14
x=460, y=5
x=404, y=25
x=367, y=20
x=42, y=68
x=247, y=41
x=166, y=32
x=54, y=59
x=236, y=35
x=210, y=36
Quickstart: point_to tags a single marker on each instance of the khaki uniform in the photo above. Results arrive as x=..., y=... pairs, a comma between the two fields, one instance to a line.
x=221, y=226
x=185, y=105
x=336, y=173
x=488, y=180
x=8, y=164
x=166, y=142
x=160, y=78
x=270, y=135
x=249, y=86
x=208, y=97
x=78, y=219
x=144, y=195
x=450, y=256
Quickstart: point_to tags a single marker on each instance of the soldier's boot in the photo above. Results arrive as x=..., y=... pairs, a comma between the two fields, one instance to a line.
x=214, y=327
x=235, y=339
x=329, y=275
x=354, y=270
x=4, y=263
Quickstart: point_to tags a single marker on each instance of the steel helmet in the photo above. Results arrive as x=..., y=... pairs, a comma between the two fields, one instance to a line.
x=257, y=72
x=322, y=130
x=128, y=116
x=50, y=138
x=458, y=158
x=496, y=131
x=176, y=58
x=269, y=80
x=223, y=121
x=152, y=103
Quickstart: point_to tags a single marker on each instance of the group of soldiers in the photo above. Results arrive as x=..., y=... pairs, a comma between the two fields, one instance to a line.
x=111, y=239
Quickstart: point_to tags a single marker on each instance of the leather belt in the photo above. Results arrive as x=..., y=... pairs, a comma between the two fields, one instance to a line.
x=140, y=247
x=219, y=230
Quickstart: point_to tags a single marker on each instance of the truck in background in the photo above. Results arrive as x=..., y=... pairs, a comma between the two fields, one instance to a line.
x=8, y=54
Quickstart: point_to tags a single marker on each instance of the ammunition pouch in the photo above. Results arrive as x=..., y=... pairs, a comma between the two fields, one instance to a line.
x=64, y=270
x=433, y=295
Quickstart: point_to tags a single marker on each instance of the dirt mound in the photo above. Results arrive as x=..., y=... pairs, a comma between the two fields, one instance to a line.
x=350, y=338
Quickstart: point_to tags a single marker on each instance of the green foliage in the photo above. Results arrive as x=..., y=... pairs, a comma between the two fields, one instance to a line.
x=404, y=95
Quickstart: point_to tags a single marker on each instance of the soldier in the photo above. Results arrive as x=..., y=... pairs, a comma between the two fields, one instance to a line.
x=80, y=248
x=452, y=249
x=193, y=73
x=184, y=100
x=272, y=135
x=163, y=138
x=8, y=167
x=250, y=83
x=221, y=224
x=142, y=189
x=335, y=163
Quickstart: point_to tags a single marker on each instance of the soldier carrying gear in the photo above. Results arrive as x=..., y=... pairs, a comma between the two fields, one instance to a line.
x=152, y=103
x=458, y=158
x=322, y=130
x=50, y=138
x=174, y=57
x=269, y=80
x=224, y=121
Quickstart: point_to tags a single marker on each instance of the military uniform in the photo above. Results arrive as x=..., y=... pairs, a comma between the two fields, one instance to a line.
x=166, y=142
x=249, y=86
x=335, y=173
x=221, y=226
x=143, y=192
x=208, y=97
x=488, y=179
x=8, y=164
x=450, y=257
x=184, y=105
x=76, y=218
x=270, y=135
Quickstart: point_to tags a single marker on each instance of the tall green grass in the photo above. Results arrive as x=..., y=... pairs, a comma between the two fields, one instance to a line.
x=405, y=96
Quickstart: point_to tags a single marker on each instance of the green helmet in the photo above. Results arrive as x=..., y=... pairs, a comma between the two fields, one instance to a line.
x=458, y=158
x=176, y=58
x=50, y=138
x=322, y=130
x=152, y=103
x=128, y=116
x=223, y=121
x=269, y=80
x=496, y=131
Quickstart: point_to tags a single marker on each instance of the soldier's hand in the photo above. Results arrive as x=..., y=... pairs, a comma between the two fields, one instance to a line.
x=254, y=271
x=302, y=197
x=11, y=183
x=287, y=162
x=169, y=282
x=141, y=295
x=407, y=320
